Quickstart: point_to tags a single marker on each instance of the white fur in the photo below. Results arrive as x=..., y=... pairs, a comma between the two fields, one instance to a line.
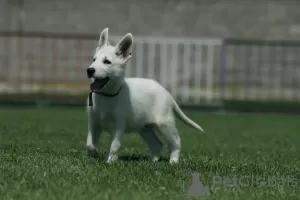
x=142, y=105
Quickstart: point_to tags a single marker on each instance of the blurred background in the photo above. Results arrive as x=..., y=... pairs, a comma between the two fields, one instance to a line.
x=239, y=55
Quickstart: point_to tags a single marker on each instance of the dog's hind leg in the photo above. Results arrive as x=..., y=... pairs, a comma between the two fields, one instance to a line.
x=153, y=142
x=170, y=133
x=94, y=130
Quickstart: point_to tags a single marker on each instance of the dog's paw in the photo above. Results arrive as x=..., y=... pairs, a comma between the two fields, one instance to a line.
x=93, y=152
x=155, y=158
x=112, y=159
x=174, y=161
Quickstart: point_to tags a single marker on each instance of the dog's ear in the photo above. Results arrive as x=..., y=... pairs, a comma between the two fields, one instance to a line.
x=103, y=40
x=124, y=47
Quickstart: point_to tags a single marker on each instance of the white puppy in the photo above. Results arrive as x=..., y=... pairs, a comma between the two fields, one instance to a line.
x=117, y=104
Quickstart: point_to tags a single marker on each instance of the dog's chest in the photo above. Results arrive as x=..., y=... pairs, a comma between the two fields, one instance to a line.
x=113, y=110
x=107, y=111
x=107, y=119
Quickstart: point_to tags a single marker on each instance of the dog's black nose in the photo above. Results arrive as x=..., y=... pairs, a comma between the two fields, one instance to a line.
x=90, y=72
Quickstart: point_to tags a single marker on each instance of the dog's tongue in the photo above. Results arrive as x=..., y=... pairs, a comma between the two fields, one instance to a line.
x=96, y=85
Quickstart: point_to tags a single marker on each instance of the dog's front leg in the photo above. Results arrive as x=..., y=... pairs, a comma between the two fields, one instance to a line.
x=94, y=130
x=116, y=139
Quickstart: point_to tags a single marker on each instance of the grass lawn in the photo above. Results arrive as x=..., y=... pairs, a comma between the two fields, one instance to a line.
x=43, y=156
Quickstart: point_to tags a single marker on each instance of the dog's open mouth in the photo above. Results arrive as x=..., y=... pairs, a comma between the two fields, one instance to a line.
x=98, y=84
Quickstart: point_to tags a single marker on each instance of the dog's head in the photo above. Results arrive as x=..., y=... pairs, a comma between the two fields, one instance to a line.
x=109, y=61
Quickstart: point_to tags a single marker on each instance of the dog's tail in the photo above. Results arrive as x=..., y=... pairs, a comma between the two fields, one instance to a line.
x=184, y=118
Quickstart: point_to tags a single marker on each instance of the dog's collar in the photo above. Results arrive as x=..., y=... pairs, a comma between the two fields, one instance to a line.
x=103, y=94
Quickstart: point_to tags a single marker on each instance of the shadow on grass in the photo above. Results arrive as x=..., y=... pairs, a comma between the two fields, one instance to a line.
x=73, y=153
x=133, y=158
x=139, y=158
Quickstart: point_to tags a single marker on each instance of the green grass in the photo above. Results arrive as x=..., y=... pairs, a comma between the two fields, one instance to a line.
x=42, y=156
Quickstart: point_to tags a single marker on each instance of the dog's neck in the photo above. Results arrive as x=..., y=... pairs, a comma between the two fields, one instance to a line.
x=113, y=87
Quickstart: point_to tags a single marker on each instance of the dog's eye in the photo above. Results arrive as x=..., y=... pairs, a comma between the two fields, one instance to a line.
x=94, y=59
x=107, y=62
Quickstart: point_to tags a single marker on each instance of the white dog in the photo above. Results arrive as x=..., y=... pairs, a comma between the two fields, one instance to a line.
x=117, y=104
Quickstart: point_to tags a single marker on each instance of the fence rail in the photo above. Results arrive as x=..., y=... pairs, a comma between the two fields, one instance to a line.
x=195, y=71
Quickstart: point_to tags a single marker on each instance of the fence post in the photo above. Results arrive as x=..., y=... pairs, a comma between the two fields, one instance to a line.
x=7, y=43
x=21, y=15
x=223, y=70
x=209, y=73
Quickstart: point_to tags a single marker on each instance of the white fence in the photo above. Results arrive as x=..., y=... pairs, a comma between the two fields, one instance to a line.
x=186, y=67
x=195, y=71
